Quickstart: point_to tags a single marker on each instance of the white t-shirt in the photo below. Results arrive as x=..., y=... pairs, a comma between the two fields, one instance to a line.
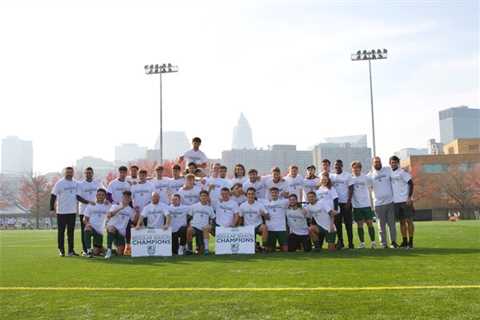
x=259, y=186
x=325, y=193
x=120, y=220
x=88, y=191
x=216, y=184
x=131, y=180
x=361, y=192
x=155, y=214
x=178, y=216
x=189, y=196
x=341, y=183
x=225, y=212
x=295, y=186
x=281, y=185
x=251, y=213
x=297, y=222
x=142, y=194
x=116, y=189
x=320, y=212
x=66, y=192
x=240, y=180
x=240, y=199
x=97, y=215
x=400, y=187
x=201, y=215
x=162, y=187
x=277, y=209
x=382, y=186
x=310, y=185
x=197, y=157
x=176, y=184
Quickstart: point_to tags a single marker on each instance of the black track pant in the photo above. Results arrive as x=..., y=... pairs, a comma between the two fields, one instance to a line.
x=345, y=217
x=179, y=238
x=65, y=221
x=82, y=228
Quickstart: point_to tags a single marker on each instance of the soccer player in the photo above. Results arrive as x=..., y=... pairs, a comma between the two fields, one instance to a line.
x=178, y=214
x=133, y=177
x=311, y=181
x=237, y=194
x=325, y=166
x=87, y=189
x=359, y=195
x=340, y=180
x=325, y=191
x=161, y=185
x=155, y=214
x=216, y=184
x=323, y=226
x=226, y=210
x=383, y=199
x=94, y=216
x=253, y=213
x=190, y=193
x=195, y=155
x=202, y=215
x=118, y=186
x=119, y=217
x=294, y=182
x=276, y=180
x=64, y=202
x=177, y=180
x=239, y=174
x=255, y=182
x=298, y=233
x=276, y=224
x=402, y=186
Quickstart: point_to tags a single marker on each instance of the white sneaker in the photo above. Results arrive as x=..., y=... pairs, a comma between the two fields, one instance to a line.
x=180, y=251
x=384, y=246
x=108, y=255
x=362, y=245
x=373, y=245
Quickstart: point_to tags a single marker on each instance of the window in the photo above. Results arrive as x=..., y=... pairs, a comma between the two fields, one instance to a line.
x=434, y=168
x=465, y=166
x=473, y=148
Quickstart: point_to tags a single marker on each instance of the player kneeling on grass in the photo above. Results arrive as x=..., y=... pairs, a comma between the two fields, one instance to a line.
x=202, y=215
x=155, y=213
x=254, y=213
x=359, y=196
x=298, y=237
x=276, y=225
x=94, y=220
x=178, y=214
x=323, y=226
x=118, y=218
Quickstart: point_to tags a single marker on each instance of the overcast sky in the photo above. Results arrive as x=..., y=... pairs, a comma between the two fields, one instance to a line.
x=72, y=78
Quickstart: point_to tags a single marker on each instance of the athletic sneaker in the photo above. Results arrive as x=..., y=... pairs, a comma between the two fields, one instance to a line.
x=88, y=254
x=394, y=245
x=83, y=254
x=339, y=246
x=61, y=253
x=108, y=255
x=384, y=246
x=73, y=254
x=351, y=246
x=404, y=244
x=187, y=252
x=373, y=245
x=180, y=251
x=362, y=245
x=206, y=253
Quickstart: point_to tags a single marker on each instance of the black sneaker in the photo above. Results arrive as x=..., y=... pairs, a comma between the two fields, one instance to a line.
x=188, y=252
x=394, y=245
x=61, y=253
x=339, y=246
x=404, y=244
x=351, y=246
x=73, y=254
x=410, y=245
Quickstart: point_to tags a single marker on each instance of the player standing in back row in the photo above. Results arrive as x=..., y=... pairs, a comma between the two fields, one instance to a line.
x=195, y=155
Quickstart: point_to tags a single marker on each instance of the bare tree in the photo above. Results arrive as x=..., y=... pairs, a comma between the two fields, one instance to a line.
x=35, y=194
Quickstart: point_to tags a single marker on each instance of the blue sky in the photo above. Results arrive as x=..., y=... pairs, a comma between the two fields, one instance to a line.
x=72, y=74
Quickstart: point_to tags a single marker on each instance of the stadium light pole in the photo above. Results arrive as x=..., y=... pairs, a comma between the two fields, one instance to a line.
x=369, y=55
x=160, y=69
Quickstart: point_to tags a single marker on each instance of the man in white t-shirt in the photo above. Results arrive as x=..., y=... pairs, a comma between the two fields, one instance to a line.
x=201, y=224
x=226, y=210
x=359, y=195
x=255, y=182
x=154, y=215
x=340, y=180
x=383, y=200
x=276, y=180
x=294, y=182
x=177, y=180
x=161, y=185
x=195, y=155
x=298, y=235
x=276, y=224
x=253, y=213
x=178, y=214
x=117, y=186
x=133, y=177
x=64, y=202
x=87, y=189
x=323, y=226
x=190, y=193
x=310, y=181
x=402, y=186
x=95, y=217
x=216, y=184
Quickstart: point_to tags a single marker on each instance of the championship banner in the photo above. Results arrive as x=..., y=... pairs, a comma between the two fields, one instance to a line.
x=240, y=240
x=151, y=242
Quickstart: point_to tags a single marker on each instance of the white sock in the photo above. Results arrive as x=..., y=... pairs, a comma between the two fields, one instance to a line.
x=206, y=243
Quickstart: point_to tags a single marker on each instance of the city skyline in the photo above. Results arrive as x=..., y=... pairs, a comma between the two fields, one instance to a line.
x=287, y=67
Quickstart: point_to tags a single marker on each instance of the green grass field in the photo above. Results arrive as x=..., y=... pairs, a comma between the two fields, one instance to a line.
x=446, y=254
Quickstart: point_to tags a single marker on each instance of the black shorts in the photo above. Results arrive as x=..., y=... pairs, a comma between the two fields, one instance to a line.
x=297, y=242
x=198, y=234
x=403, y=211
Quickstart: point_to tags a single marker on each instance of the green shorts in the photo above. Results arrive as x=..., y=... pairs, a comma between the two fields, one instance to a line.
x=362, y=214
x=329, y=236
x=274, y=236
x=97, y=239
x=403, y=211
x=119, y=239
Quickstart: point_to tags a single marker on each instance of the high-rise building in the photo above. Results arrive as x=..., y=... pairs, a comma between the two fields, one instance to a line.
x=264, y=160
x=242, y=134
x=127, y=152
x=343, y=151
x=460, y=122
x=17, y=156
x=359, y=140
x=407, y=152
x=175, y=143
x=100, y=167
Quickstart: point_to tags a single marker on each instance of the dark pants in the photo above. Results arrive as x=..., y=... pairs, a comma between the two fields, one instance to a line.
x=128, y=232
x=179, y=238
x=296, y=242
x=344, y=216
x=82, y=233
x=65, y=221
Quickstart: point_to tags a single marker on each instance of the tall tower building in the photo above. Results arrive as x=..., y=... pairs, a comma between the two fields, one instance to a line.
x=459, y=123
x=242, y=134
x=17, y=156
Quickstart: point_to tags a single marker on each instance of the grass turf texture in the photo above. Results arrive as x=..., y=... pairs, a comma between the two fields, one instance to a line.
x=446, y=254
